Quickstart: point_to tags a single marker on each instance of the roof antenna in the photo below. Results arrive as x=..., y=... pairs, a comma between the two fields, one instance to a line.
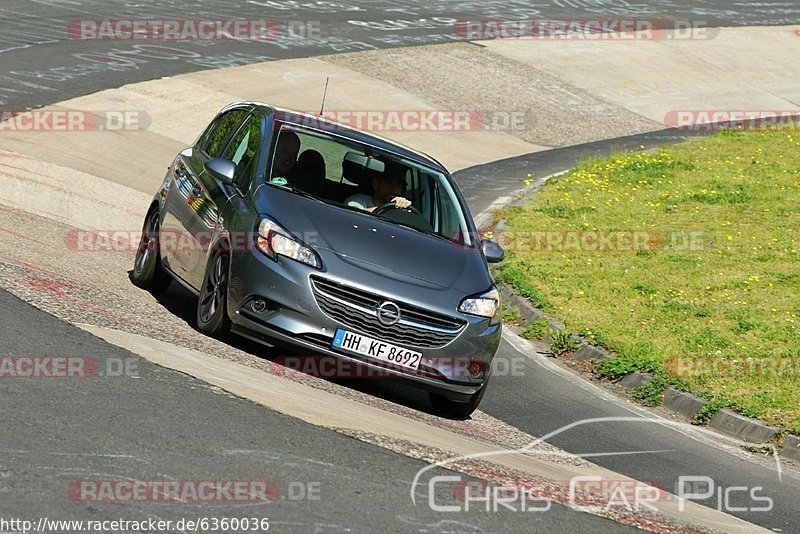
x=324, y=93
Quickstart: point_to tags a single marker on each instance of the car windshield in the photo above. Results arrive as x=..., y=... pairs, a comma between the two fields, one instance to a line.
x=355, y=176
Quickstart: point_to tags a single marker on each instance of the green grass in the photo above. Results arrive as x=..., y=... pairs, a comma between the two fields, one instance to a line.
x=511, y=316
x=536, y=330
x=710, y=271
x=561, y=341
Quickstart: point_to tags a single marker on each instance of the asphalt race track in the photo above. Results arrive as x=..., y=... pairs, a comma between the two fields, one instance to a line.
x=166, y=425
x=44, y=63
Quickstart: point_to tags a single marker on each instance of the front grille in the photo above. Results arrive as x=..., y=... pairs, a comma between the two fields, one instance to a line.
x=356, y=309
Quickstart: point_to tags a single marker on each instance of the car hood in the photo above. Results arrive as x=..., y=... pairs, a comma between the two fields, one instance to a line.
x=367, y=242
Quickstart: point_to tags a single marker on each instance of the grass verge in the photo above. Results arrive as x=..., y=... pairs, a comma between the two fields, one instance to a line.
x=683, y=261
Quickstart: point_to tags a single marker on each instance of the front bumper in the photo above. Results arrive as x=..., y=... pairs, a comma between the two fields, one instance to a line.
x=292, y=317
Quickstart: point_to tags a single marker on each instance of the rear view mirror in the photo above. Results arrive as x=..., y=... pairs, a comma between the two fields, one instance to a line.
x=368, y=162
x=355, y=157
x=221, y=169
x=375, y=164
x=493, y=252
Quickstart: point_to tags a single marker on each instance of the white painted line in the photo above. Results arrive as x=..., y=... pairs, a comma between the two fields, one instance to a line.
x=699, y=434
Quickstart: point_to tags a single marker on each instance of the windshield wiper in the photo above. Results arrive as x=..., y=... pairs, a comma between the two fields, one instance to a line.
x=294, y=189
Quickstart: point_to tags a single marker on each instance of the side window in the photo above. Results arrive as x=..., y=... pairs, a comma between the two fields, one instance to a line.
x=448, y=220
x=332, y=154
x=417, y=192
x=222, y=128
x=243, y=151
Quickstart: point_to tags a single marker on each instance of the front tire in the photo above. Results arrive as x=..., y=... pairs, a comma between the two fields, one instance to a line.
x=212, y=308
x=148, y=273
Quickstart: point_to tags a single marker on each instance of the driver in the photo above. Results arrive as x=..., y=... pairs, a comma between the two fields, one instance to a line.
x=386, y=187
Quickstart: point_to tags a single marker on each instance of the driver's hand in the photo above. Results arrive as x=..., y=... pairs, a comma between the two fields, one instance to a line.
x=401, y=203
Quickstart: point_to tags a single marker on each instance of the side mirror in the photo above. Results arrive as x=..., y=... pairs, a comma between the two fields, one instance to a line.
x=493, y=252
x=221, y=169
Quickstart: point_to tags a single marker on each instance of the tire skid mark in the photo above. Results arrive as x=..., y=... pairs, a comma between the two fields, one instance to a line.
x=69, y=192
x=23, y=236
x=29, y=171
x=57, y=290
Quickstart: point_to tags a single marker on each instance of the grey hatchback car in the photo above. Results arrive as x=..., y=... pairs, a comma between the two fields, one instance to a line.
x=296, y=231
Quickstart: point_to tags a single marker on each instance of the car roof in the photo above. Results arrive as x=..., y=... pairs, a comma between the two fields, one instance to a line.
x=307, y=119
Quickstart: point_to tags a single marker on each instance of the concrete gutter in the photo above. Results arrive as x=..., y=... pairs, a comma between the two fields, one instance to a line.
x=734, y=69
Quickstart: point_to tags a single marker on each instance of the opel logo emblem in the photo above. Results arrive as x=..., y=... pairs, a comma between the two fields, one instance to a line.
x=388, y=313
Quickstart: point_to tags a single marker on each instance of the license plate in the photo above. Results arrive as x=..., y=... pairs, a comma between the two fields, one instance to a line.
x=380, y=350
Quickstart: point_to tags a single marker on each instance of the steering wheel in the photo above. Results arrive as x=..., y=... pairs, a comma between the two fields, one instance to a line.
x=393, y=206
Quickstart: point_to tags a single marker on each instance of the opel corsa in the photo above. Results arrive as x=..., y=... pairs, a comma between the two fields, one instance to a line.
x=293, y=230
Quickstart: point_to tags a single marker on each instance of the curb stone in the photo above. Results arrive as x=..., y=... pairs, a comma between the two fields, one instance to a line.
x=590, y=352
x=791, y=447
x=635, y=380
x=742, y=427
x=524, y=307
x=683, y=403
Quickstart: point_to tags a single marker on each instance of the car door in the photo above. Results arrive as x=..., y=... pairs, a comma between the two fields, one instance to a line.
x=248, y=150
x=243, y=148
x=190, y=211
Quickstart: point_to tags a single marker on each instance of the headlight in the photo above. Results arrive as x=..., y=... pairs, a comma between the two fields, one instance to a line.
x=485, y=305
x=272, y=239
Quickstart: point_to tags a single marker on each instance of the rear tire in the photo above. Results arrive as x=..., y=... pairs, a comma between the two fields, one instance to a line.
x=148, y=273
x=455, y=409
x=212, y=306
